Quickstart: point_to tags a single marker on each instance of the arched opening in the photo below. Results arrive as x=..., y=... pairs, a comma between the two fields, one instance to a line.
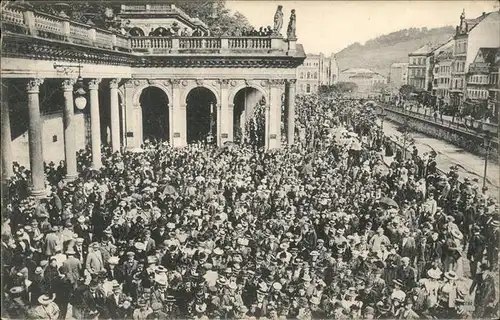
x=161, y=32
x=155, y=114
x=136, y=32
x=201, y=115
x=249, y=117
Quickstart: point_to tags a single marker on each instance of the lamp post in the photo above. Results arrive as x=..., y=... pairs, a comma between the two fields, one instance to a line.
x=487, y=140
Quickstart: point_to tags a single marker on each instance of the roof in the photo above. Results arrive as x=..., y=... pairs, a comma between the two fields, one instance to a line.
x=489, y=55
x=399, y=65
x=474, y=22
x=357, y=70
x=423, y=50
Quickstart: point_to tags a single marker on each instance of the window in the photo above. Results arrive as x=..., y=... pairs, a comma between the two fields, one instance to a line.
x=302, y=75
x=308, y=75
x=315, y=75
x=308, y=88
x=302, y=88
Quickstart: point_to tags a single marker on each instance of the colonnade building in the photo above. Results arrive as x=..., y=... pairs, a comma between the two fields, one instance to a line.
x=67, y=85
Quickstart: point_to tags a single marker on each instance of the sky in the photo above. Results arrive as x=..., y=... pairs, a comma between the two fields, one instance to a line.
x=330, y=26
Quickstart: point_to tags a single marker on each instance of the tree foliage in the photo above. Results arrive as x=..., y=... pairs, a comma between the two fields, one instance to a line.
x=212, y=12
x=345, y=87
x=406, y=90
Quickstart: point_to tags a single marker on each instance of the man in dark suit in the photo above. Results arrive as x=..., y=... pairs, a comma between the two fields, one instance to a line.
x=159, y=235
x=94, y=302
x=115, y=301
x=129, y=268
x=81, y=249
x=486, y=299
x=408, y=245
x=112, y=271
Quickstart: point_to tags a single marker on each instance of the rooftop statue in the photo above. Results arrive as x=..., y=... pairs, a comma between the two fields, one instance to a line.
x=290, y=32
x=278, y=20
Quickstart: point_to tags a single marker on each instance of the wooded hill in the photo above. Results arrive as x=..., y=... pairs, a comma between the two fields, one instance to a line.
x=378, y=54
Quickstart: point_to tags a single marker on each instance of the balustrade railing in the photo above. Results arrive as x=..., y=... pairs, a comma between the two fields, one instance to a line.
x=23, y=20
x=249, y=43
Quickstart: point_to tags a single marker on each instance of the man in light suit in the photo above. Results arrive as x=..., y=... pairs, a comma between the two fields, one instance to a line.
x=94, y=263
x=72, y=267
x=52, y=240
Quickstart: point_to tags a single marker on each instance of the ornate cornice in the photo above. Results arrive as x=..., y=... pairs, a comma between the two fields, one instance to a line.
x=33, y=85
x=67, y=85
x=94, y=84
x=22, y=46
x=25, y=46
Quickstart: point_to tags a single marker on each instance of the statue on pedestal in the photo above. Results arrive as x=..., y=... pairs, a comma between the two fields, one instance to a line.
x=290, y=32
x=278, y=20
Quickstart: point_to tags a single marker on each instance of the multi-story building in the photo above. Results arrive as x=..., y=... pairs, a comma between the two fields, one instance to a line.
x=482, y=82
x=471, y=35
x=419, y=68
x=317, y=70
x=398, y=75
x=441, y=75
x=366, y=80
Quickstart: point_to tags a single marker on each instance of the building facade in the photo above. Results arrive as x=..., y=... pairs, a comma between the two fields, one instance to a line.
x=367, y=81
x=398, y=75
x=470, y=35
x=441, y=75
x=482, y=83
x=317, y=70
x=419, y=68
x=132, y=87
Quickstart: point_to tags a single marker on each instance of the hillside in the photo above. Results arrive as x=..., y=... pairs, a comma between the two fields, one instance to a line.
x=378, y=54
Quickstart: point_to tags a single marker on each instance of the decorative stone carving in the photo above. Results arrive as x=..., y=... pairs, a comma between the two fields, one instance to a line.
x=233, y=83
x=199, y=82
x=278, y=20
x=129, y=84
x=224, y=83
x=184, y=83
x=292, y=81
x=113, y=83
x=137, y=83
x=175, y=83
x=152, y=81
x=248, y=82
x=264, y=83
x=166, y=83
x=290, y=32
x=33, y=85
x=67, y=85
x=276, y=82
x=94, y=84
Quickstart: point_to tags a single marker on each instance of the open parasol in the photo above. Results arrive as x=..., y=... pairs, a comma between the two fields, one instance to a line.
x=389, y=202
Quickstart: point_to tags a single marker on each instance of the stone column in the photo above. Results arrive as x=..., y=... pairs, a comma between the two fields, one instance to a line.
x=275, y=114
x=224, y=118
x=35, y=139
x=115, y=115
x=69, y=130
x=95, y=123
x=178, y=119
x=290, y=91
x=6, y=136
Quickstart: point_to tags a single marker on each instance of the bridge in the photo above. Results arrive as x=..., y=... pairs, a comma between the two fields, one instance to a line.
x=176, y=88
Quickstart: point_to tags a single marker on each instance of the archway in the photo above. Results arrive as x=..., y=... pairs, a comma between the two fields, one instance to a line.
x=201, y=115
x=136, y=32
x=155, y=114
x=249, y=116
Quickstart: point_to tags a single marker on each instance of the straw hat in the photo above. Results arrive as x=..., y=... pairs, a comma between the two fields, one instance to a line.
x=451, y=275
x=44, y=299
x=434, y=273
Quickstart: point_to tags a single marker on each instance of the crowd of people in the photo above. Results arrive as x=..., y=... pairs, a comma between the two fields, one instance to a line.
x=321, y=229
